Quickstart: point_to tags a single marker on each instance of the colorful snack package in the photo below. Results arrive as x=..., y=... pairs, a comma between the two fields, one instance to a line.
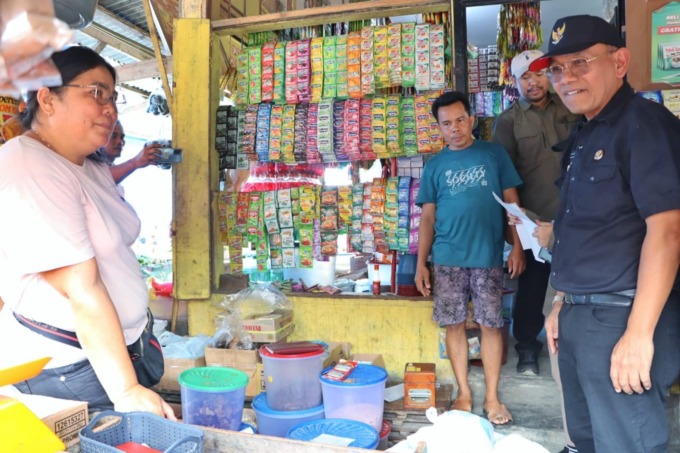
x=380, y=56
x=422, y=57
x=408, y=54
x=313, y=155
x=306, y=257
x=423, y=120
x=275, y=131
x=279, y=94
x=300, y=129
x=288, y=133
x=408, y=126
x=393, y=133
x=287, y=237
x=316, y=58
x=304, y=70
x=288, y=258
x=283, y=198
x=379, y=126
x=291, y=82
x=329, y=218
x=329, y=67
x=242, y=78
x=394, y=54
x=329, y=243
x=329, y=196
x=285, y=218
x=341, y=67
x=367, y=75
x=268, y=71
x=262, y=133
x=354, y=65
x=306, y=236
x=255, y=75
x=275, y=258
x=437, y=62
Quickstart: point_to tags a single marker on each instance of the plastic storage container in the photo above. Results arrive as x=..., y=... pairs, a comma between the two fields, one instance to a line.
x=292, y=379
x=384, y=435
x=277, y=423
x=364, y=435
x=142, y=428
x=359, y=397
x=213, y=396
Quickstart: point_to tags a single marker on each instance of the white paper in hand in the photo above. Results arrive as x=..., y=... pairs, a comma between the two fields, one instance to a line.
x=525, y=229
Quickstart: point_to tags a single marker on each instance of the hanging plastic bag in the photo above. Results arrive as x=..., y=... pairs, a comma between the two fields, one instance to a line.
x=158, y=104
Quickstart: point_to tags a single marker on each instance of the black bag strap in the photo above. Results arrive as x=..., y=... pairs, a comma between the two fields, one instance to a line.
x=53, y=333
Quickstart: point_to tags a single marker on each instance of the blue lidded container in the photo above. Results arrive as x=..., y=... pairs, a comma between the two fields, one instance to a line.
x=364, y=435
x=359, y=397
x=271, y=422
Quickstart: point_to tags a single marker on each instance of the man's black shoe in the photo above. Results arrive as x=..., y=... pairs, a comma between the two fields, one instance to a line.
x=528, y=362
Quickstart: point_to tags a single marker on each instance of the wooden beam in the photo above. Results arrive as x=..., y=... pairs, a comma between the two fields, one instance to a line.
x=194, y=9
x=120, y=42
x=135, y=89
x=142, y=70
x=157, y=52
x=99, y=47
x=327, y=15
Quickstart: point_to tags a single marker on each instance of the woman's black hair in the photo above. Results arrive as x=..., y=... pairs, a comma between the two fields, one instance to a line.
x=71, y=63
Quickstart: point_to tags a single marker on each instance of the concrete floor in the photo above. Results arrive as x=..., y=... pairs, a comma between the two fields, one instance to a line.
x=535, y=406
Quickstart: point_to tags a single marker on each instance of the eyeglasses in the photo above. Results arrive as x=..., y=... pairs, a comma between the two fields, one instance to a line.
x=102, y=95
x=577, y=67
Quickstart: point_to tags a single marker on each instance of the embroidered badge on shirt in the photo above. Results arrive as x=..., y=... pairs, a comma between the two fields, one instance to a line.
x=599, y=154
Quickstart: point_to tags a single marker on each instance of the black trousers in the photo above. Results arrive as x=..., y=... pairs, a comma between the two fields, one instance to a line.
x=527, y=317
x=599, y=419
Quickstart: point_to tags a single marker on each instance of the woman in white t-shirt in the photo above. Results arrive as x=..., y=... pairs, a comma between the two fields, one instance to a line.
x=65, y=237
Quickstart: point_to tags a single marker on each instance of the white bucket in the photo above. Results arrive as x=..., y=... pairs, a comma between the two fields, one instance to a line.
x=323, y=273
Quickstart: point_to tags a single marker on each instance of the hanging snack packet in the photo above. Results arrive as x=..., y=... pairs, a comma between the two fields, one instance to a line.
x=279, y=94
x=367, y=75
x=379, y=135
x=352, y=129
x=275, y=131
x=366, y=129
x=408, y=126
x=325, y=130
x=422, y=57
x=268, y=71
x=437, y=64
x=423, y=124
x=304, y=70
x=393, y=135
x=242, y=78
x=394, y=54
x=254, y=75
x=408, y=54
x=300, y=140
x=329, y=67
x=354, y=65
x=341, y=67
x=262, y=133
x=288, y=134
x=313, y=155
x=291, y=82
x=339, y=131
x=380, y=57
x=316, y=57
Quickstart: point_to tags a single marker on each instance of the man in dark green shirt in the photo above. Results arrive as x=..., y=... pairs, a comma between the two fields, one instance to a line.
x=528, y=130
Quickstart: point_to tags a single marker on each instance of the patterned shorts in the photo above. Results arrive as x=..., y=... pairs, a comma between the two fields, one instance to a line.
x=453, y=288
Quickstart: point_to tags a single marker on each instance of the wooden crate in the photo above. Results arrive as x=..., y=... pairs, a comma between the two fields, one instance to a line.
x=407, y=421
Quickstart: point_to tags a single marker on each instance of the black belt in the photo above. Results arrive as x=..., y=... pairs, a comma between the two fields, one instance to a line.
x=618, y=299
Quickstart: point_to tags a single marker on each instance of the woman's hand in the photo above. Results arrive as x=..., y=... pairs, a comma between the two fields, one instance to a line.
x=139, y=398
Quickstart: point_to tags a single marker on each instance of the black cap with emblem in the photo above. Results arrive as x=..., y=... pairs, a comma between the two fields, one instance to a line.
x=576, y=33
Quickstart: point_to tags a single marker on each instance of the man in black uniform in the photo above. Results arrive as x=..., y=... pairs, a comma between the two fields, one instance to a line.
x=617, y=247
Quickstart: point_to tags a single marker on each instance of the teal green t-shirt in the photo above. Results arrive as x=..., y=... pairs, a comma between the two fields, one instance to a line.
x=469, y=222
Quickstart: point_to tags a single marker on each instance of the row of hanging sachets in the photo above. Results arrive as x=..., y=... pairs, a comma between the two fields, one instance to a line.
x=338, y=130
x=343, y=66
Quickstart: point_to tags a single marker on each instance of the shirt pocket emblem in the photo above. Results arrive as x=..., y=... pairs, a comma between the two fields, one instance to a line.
x=599, y=154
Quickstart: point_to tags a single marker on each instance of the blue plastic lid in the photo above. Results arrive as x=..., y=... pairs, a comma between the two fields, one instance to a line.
x=364, y=435
x=361, y=375
x=260, y=404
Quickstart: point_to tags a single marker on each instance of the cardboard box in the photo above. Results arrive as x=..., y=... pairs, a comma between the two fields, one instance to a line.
x=371, y=359
x=173, y=368
x=272, y=336
x=247, y=361
x=65, y=418
x=336, y=351
x=268, y=323
x=419, y=385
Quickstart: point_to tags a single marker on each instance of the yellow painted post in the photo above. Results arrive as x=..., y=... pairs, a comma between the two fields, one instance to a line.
x=192, y=179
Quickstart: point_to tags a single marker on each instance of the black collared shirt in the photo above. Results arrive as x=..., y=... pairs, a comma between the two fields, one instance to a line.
x=619, y=168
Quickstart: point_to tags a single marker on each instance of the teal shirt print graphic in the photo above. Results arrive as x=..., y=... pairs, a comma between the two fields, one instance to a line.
x=469, y=223
x=460, y=180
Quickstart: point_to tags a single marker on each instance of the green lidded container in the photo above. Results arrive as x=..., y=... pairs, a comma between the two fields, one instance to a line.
x=213, y=396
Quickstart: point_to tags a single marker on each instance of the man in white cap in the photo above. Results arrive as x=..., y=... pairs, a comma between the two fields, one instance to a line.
x=528, y=130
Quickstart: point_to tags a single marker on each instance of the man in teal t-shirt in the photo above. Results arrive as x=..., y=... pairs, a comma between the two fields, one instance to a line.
x=463, y=226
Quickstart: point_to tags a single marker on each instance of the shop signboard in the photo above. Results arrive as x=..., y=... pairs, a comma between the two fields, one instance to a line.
x=665, y=39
